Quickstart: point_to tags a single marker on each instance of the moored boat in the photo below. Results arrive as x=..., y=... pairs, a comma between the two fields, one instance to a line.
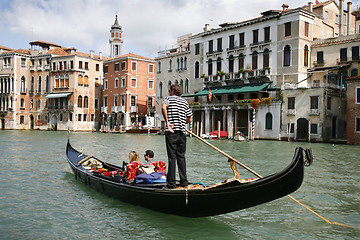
x=224, y=197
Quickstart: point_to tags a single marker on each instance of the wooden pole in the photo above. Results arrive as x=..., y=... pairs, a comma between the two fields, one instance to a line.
x=289, y=129
x=258, y=175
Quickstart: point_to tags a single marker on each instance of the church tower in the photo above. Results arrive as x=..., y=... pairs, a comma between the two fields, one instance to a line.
x=115, y=40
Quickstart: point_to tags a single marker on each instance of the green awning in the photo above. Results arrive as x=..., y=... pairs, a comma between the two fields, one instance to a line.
x=233, y=89
x=57, y=95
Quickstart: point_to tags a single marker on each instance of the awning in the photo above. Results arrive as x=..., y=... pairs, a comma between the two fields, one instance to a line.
x=57, y=95
x=233, y=89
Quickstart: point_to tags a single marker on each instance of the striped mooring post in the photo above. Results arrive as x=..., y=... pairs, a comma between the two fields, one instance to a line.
x=253, y=124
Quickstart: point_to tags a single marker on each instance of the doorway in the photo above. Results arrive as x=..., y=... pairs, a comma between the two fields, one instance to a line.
x=302, y=129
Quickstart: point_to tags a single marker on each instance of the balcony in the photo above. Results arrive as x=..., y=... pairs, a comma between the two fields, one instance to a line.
x=59, y=107
x=103, y=109
x=314, y=112
x=117, y=109
x=133, y=109
x=291, y=112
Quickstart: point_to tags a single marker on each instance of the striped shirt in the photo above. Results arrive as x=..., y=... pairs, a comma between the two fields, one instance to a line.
x=178, y=111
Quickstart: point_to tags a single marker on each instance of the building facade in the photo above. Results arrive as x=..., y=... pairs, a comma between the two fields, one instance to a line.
x=129, y=91
x=353, y=110
x=40, y=88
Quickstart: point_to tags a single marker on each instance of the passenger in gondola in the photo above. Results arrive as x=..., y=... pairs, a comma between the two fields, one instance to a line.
x=149, y=155
x=131, y=169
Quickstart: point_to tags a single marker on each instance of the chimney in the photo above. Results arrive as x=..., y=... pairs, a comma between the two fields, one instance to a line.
x=348, y=17
x=100, y=55
x=285, y=6
x=207, y=27
x=310, y=6
x=341, y=15
x=91, y=53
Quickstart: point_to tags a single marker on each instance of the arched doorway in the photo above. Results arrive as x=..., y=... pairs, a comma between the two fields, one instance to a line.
x=31, y=121
x=53, y=123
x=302, y=132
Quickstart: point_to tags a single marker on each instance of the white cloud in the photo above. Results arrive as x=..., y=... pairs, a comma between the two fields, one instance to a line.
x=148, y=25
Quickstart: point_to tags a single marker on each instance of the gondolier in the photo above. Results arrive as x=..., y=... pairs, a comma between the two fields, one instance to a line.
x=177, y=114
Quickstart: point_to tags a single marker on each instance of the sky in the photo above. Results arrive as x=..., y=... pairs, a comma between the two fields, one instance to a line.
x=148, y=26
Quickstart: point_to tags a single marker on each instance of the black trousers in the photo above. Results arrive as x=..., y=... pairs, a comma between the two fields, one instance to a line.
x=176, y=148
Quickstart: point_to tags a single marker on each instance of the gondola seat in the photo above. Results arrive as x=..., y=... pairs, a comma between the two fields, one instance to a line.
x=160, y=166
x=131, y=170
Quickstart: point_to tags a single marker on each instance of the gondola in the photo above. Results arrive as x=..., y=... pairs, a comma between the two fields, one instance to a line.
x=225, y=197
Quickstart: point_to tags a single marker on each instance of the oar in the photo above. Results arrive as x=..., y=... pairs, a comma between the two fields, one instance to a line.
x=258, y=175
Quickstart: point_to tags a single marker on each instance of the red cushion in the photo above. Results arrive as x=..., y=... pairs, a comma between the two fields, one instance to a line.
x=160, y=166
x=132, y=170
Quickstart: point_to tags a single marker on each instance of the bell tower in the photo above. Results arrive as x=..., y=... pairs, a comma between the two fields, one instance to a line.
x=115, y=40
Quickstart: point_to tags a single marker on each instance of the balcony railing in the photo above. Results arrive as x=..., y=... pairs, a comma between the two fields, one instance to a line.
x=116, y=109
x=103, y=109
x=59, y=107
x=133, y=109
x=313, y=111
x=291, y=112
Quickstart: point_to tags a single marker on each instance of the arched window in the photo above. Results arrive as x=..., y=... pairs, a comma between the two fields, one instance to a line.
x=176, y=82
x=241, y=61
x=66, y=80
x=287, y=55
x=254, y=60
x=306, y=56
x=197, y=70
x=182, y=84
x=62, y=80
x=266, y=58
x=231, y=63
x=170, y=66
x=80, y=80
x=80, y=102
x=185, y=63
x=169, y=85
x=39, y=84
x=210, y=70
x=177, y=64
x=181, y=64
x=22, y=87
x=218, y=64
x=354, y=72
x=57, y=81
x=32, y=103
x=160, y=90
x=47, y=84
x=268, y=121
x=186, y=85
x=86, y=80
x=22, y=103
x=159, y=67
x=32, y=84
x=86, y=102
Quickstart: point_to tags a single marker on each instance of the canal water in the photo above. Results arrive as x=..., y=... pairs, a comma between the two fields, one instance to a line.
x=40, y=198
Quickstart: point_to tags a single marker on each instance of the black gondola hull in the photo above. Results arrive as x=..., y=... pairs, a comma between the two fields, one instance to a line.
x=221, y=199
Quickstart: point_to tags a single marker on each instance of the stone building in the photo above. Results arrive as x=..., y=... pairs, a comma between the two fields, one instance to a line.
x=172, y=67
x=269, y=57
x=41, y=88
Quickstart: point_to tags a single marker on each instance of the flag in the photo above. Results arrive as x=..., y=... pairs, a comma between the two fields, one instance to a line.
x=210, y=94
x=317, y=2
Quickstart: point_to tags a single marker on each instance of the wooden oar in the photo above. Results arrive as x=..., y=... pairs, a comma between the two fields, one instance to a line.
x=258, y=175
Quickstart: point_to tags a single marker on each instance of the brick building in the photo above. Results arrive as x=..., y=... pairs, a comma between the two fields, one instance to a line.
x=129, y=89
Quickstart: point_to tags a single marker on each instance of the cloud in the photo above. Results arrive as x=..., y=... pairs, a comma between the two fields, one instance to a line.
x=148, y=25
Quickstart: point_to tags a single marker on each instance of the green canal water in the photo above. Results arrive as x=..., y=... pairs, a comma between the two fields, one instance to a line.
x=40, y=198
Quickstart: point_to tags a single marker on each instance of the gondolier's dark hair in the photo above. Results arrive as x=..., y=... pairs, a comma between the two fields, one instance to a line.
x=176, y=88
x=150, y=153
